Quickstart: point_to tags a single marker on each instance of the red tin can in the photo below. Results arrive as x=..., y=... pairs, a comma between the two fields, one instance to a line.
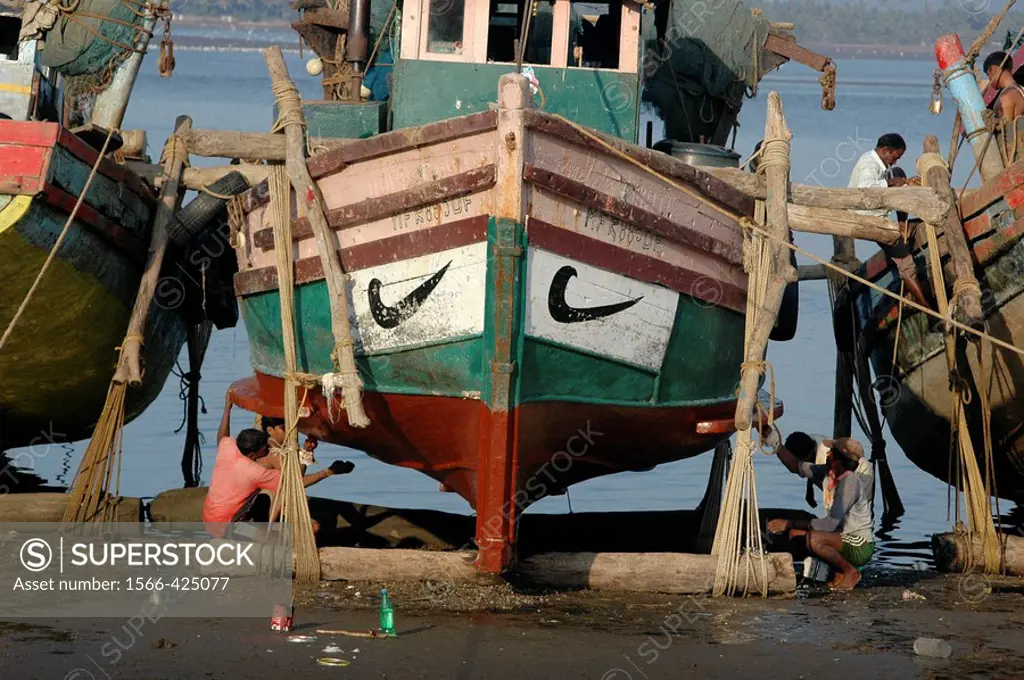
x=282, y=619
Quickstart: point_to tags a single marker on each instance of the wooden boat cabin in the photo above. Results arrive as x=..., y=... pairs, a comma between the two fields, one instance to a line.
x=28, y=90
x=585, y=58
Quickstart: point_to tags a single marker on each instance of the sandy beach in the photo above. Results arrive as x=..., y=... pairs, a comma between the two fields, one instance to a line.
x=448, y=631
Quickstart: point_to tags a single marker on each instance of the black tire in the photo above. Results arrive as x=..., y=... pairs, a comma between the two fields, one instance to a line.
x=844, y=324
x=194, y=218
x=789, y=312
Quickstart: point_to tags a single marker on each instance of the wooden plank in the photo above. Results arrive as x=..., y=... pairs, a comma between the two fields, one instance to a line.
x=23, y=169
x=108, y=167
x=374, y=253
x=117, y=236
x=711, y=188
x=791, y=50
x=389, y=205
x=975, y=201
x=388, y=143
x=632, y=214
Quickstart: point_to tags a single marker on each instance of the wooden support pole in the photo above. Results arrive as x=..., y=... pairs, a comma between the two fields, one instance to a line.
x=129, y=368
x=782, y=270
x=309, y=198
x=954, y=553
x=924, y=202
x=676, y=573
x=843, y=224
x=816, y=272
x=247, y=145
x=966, y=291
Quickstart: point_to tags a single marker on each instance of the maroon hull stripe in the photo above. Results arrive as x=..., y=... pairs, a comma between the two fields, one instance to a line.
x=383, y=251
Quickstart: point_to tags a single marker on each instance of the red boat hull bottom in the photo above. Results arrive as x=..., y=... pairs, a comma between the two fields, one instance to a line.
x=551, y=445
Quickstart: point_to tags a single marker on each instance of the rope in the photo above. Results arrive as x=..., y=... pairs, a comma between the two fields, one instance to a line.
x=738, y=533
x=775, y=153
x=986, y=35
x=57, y=244
x=975, y=491
x=290, y=500
x=885, y=291
x=290, y=105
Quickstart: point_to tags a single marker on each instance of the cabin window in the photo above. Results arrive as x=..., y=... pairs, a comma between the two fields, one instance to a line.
x=505, y=27
x=445, y=26
x=9, y=29
x=594, y=32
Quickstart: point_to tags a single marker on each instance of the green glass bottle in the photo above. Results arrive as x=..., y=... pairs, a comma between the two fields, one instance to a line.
x=387, y=614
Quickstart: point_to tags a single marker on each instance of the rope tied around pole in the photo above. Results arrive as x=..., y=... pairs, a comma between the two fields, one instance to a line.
x=774, y=154
x=289, y=105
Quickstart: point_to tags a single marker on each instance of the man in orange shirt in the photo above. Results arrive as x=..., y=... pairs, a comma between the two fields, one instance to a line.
x=234, y=493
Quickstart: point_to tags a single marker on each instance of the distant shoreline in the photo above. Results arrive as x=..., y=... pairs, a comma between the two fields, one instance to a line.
x=834, y=50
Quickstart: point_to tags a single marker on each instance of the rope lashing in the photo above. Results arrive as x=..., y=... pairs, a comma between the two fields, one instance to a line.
x=774, y=153
x=131, y=338
x=289, y=105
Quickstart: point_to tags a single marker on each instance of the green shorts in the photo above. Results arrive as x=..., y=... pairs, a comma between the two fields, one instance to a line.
x=856, y=550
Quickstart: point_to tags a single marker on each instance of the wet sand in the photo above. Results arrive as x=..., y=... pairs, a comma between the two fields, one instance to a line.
x=462, y=632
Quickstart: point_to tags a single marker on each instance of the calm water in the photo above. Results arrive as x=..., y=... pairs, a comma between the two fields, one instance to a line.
x=232, y=91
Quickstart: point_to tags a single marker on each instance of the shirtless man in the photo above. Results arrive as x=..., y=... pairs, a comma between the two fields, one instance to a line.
x=1008, y=104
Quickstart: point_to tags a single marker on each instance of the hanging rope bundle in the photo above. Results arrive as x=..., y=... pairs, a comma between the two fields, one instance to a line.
x=769, y=271
x=290, y=500
x=976, y=490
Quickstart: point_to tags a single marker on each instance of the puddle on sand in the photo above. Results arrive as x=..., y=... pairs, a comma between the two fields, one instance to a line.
x=27, y=632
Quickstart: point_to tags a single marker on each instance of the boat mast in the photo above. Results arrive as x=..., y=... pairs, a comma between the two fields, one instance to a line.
x=111, y=104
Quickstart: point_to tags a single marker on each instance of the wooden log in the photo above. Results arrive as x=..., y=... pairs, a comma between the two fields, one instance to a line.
x=676, y=573
x=843, y=224
x=133, y=143
x=925, y=202
x=384, y=566
x=817, y=272
x=252, y=145
x=966, y=293
x=783, y=272
x=309, y=199
x=372, y=526
x=129, y=366
x=50, y=507
x=197, y=179
x=953, y=555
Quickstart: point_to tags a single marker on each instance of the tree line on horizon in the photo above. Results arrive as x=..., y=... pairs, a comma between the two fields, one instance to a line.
x=863, y=22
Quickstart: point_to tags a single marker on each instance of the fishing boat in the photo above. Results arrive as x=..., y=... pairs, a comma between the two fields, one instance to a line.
x=907, y=350
x=60, y=105
x=536, y=299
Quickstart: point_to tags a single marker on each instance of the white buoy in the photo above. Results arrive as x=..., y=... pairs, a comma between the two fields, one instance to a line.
x=315, y=66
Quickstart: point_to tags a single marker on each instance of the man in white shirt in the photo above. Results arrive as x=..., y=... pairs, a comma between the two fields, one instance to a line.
x=876, y=169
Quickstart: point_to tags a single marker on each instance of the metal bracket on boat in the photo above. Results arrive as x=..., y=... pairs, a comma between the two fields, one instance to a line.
x=498, y=367
x=508, y=251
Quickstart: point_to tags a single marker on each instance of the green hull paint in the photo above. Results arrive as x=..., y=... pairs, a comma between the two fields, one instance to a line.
x=58, y=363
x=429, y=91
x=700, y=368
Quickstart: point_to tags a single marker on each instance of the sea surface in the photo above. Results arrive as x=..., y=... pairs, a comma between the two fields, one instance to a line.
x=231, y=90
